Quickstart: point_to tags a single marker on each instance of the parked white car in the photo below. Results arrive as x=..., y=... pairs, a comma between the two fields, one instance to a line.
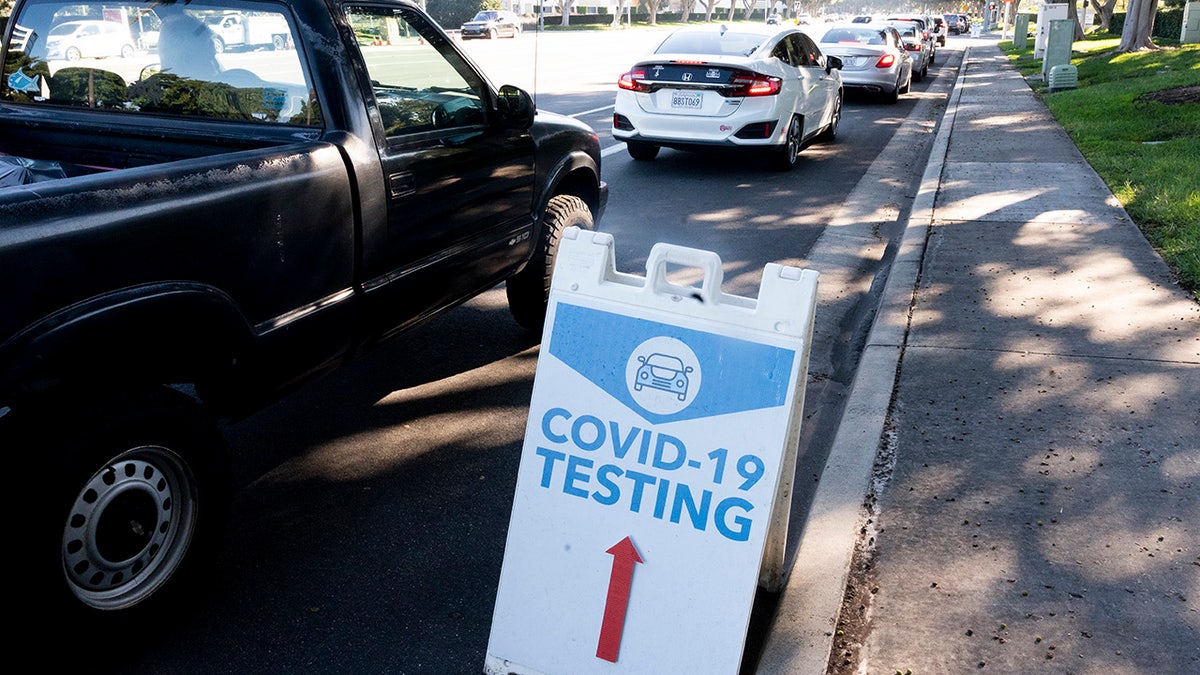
x=755, y=86
x=73, y=40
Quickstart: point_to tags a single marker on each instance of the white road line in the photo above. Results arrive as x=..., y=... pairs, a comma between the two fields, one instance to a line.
x=593, y=110
x=612, y=150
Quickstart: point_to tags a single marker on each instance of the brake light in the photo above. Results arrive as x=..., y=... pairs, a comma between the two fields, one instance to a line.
x=886, y=61
x=751, y=84
x=633, y=80
x=914, y=47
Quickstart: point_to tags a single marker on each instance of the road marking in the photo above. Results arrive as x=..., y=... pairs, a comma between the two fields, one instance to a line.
x=612, y=150
x=593, y=110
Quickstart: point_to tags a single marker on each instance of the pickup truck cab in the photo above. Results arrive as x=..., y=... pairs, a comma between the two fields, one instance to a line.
x=187, y=234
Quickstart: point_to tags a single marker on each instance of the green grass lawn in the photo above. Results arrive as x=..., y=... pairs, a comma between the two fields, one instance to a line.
x=1148, y=152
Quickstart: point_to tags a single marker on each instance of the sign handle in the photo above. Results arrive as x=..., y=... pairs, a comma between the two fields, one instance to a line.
x=709, y=262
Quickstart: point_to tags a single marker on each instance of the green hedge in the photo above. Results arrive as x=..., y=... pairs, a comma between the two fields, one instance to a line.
x=1168, y=23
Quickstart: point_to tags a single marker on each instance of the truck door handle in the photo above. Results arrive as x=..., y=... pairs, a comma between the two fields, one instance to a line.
x=401, y=184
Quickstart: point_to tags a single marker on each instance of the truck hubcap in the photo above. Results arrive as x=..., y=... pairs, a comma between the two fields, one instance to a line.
x=129, y=528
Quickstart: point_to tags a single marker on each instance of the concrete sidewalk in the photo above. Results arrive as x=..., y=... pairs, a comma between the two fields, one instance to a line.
x=1017, y=471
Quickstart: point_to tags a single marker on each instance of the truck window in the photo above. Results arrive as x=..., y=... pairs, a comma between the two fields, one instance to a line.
x=420, y=83
x=221, y=59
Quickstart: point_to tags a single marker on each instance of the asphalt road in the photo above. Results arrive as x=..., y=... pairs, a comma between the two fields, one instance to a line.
x=369, y=528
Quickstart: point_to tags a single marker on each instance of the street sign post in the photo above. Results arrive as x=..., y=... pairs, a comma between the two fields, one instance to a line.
x=658, y=457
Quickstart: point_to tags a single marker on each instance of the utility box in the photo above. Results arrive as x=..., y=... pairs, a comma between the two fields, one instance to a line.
x=1021, y=31
x=1060, y=37
x=1063, y=76
x=1047, y=13
x=1190, y=33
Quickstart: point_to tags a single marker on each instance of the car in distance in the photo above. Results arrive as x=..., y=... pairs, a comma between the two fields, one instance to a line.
x=917, y=47
x=491, y=24
x=874, y=58
x=769, y=89
x=73, y=40
x=926, y=25
x=939, y=30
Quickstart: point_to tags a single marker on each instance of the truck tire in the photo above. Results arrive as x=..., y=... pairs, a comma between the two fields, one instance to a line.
x=529, y=289
x=137, y=498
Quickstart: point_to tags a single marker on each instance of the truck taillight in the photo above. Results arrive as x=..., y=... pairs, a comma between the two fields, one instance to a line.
x=633, y=80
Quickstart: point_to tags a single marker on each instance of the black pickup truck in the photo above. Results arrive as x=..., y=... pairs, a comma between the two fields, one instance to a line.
x=188, y=233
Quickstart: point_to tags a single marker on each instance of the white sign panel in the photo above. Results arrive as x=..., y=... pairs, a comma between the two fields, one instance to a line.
x=658, y=437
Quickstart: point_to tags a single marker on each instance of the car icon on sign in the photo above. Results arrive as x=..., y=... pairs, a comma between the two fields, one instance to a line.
x=663, y=372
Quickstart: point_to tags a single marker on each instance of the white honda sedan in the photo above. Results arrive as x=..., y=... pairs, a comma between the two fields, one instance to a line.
x=762, y=87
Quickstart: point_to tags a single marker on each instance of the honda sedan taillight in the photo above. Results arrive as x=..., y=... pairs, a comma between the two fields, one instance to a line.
x=633, y=80
x=753, y=84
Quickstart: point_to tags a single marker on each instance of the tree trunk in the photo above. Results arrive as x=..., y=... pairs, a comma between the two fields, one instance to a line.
x=1073, y=14
x=566, y=12
x=1105, y=12
x=616, y=22
x=1139, y=23
x=709, y=6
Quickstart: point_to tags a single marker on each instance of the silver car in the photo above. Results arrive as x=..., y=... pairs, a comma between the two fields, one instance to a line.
x=917, y=47
x=873, y=56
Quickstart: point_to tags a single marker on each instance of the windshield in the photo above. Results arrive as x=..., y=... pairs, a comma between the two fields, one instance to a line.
x=853, y=35
x=729, y=43
x=486, y=16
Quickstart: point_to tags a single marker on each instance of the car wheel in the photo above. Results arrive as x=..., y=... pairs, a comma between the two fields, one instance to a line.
x=73, y=54
x=218, y=45
x=491, y=33
x=642, y=151
x=830, y=132
x=138, y=498
x=529, y=289
x=127, y=52
x=893, y=96
x=785, y=157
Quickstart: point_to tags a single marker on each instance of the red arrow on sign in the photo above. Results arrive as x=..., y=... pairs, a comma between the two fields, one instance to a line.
x=625, y=556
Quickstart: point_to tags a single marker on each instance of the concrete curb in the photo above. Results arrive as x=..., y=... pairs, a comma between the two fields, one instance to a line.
x=802, y=637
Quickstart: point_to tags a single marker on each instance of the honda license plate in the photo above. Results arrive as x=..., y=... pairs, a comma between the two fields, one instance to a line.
x=691, y=100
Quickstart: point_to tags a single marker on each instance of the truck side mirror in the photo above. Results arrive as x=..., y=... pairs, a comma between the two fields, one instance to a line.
x=515, y=107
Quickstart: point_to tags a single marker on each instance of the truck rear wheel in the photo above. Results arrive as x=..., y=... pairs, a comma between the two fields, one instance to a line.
x=138, y=498
x=529, y=290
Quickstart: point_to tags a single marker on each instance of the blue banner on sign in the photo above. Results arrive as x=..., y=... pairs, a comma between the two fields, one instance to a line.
x=668, y=373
